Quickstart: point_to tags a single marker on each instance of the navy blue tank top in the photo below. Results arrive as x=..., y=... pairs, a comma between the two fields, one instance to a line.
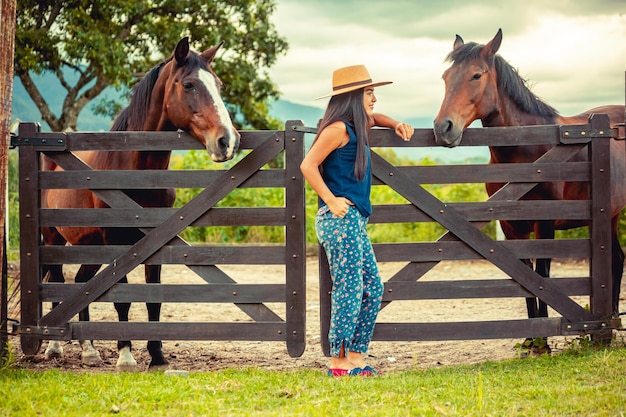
x=338, y=174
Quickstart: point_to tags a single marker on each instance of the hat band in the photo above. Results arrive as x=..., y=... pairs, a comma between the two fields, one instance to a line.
x=342, y=86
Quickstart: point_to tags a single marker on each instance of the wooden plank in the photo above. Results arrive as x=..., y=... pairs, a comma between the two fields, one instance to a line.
x=489, y=249
x=490, y=136
x=295, y=241
x=503, y=329
x=488, y=211
x=178, y=331
x=163, y=234
x=146, y=140
x=152, y=217
x=175, y=293
x=141, y=179
x=476, y=173
x=467, y=289
x=178, y=254
x=601, y=230
x=30, y=304
x=448, y=251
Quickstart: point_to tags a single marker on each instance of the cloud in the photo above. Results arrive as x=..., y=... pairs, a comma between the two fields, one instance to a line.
x=572, y=51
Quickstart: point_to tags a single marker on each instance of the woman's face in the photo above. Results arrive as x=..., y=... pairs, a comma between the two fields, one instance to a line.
x=368, y=100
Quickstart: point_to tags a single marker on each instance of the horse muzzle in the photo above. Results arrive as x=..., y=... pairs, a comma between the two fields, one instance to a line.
x=224, y=147
x=447, y=133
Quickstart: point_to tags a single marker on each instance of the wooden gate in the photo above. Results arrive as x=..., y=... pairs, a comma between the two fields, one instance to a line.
x=464, y=239
x=161, y=244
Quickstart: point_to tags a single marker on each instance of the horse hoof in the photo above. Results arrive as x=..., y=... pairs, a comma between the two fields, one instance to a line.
x=159, y=367
x=126, y=362
x=54, y=350
x=90, y=356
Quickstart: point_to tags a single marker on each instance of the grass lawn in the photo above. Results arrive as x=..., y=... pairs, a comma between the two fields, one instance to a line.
x=578, y=382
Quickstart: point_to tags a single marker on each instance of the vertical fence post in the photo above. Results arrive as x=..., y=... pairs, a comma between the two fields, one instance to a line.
x=600, y=227
x=295, y=240
x=30, y=270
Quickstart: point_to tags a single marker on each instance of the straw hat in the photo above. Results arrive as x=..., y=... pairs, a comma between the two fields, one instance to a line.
x=352, y=78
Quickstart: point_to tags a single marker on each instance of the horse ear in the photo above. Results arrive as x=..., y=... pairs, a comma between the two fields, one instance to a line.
x=182, y=50
x=492, y=47
x=458, y=42
x=209, y=54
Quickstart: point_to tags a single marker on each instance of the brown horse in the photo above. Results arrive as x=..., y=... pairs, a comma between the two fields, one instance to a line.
x=182, y=93
x=480, y=84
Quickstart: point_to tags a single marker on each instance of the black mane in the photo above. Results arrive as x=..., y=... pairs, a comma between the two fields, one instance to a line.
x=132, y=117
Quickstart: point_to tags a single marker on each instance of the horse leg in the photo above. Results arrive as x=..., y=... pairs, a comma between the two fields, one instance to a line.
x=125, y=360
x=155, y=347
x=89, y=355
x=54, y=273
x=543, y=230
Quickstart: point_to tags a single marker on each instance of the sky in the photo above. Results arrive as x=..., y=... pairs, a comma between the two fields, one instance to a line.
x=572, y=52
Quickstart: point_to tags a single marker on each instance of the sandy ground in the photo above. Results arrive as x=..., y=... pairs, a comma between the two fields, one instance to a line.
x=385, y=356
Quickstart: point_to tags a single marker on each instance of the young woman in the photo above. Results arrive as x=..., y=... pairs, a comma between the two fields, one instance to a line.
x=338, y=168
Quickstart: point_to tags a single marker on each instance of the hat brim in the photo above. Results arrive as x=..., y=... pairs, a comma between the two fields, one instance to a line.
x=352, y=88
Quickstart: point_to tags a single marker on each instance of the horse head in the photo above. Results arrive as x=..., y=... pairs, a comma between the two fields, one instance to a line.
x=192, y=101
x=471, y=89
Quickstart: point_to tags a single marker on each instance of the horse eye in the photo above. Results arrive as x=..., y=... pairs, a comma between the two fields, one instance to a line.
x=188, y=86
x=477, y=76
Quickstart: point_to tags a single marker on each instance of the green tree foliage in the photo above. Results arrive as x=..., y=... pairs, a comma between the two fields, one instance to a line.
x=111, y=42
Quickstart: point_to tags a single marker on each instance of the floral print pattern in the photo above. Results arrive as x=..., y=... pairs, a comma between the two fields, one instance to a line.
x=357, y=286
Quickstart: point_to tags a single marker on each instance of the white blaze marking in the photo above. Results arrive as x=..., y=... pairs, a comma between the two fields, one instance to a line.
x=210, y=83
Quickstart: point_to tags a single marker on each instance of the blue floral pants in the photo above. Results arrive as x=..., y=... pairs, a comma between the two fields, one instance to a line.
x=357, y=286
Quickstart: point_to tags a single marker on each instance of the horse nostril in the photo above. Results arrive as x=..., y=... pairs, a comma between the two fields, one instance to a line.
x=222, y=144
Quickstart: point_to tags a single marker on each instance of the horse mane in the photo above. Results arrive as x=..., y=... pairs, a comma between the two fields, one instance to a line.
x=133, y=116
x=509, y=81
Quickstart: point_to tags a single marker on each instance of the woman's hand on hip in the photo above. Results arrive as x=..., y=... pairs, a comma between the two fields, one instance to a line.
x=339, y=206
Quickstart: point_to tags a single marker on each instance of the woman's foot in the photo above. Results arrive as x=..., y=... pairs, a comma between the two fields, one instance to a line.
x=356, y=358
x=341, y=363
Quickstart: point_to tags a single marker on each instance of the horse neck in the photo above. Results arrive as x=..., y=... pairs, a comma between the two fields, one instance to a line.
x=507, y=113
x=151, y=159
x=154, y=121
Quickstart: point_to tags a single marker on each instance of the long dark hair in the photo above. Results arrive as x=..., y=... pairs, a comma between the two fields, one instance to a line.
x=348, y=107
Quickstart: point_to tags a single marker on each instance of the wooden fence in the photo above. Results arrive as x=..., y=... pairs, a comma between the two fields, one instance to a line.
x=162, y=245
x=463, y=241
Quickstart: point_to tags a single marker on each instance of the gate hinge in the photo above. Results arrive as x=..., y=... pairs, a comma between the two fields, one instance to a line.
x=591, y=326
x=45, y=332
x=573, y=134
x=57, y=142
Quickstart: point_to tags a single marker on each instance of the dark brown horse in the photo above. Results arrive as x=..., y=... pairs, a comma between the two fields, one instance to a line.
x=182, y=93
x=481, y=85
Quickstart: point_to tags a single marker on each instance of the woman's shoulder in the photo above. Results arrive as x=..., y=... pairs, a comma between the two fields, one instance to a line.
x=335, y=133
x=339, y=125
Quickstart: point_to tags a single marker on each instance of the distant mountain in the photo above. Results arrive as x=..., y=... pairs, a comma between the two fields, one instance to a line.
x=25, y=110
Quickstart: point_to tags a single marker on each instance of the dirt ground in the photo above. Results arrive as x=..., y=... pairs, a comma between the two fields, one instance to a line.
x=207, y=356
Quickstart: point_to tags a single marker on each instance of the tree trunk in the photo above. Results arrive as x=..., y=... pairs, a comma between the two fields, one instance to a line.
x=7, y=44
